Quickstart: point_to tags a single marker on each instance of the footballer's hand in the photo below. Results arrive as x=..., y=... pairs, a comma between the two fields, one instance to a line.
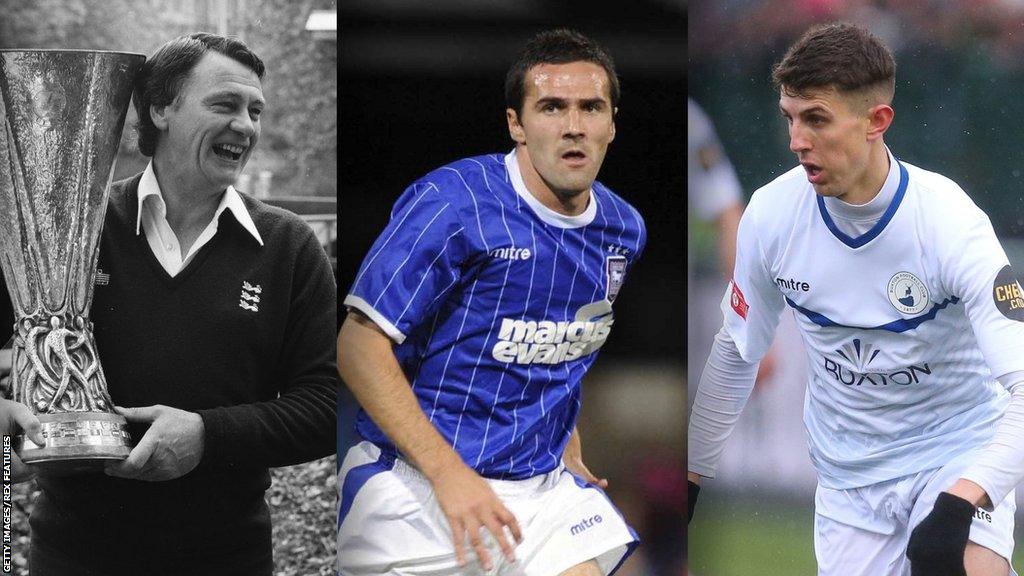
x=572, y=456
x=15, y=417
x=937, y=544
x=470, y=505
x=573, y=459
x=578, y=468
x=171, y=447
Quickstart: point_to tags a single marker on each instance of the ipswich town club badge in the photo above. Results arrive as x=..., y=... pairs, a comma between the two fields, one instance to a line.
x=615, y=267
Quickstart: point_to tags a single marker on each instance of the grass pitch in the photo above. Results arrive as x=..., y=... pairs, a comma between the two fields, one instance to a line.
x=767, y=537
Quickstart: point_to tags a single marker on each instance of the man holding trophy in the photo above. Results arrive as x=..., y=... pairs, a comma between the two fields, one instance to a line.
x=213, y=316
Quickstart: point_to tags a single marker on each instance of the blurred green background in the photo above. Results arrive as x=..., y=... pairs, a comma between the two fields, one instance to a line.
x=767, y=536
x=959, y=77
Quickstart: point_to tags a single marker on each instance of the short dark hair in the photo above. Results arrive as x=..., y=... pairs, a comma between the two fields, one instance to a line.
x=839, y=55
x=164, y=73
x=559, y=46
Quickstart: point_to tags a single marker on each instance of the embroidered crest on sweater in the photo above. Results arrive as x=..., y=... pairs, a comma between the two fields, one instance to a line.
x=250, y=296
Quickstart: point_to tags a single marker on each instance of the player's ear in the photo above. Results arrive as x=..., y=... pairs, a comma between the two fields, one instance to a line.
x=879, y=119
x=615, y=112
x=159, y=116
x=515, y=129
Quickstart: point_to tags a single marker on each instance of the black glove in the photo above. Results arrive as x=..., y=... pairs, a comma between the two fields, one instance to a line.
x=692, y=490
x=937, y=545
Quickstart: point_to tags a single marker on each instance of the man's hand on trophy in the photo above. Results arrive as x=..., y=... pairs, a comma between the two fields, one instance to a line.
x=15, y=417
x=171, y=447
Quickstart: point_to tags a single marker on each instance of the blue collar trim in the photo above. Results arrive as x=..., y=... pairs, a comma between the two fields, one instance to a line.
x=878, y=227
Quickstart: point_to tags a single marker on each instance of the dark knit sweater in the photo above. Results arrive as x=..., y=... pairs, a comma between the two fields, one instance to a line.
x=264, y=382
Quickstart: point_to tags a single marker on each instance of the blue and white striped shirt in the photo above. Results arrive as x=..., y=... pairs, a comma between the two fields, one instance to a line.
x=498, y=306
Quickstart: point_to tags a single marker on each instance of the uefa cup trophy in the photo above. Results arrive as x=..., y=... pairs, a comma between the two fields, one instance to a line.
x=61, y=115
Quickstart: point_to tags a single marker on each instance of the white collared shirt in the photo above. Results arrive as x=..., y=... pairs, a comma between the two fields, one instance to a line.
x=152, y=216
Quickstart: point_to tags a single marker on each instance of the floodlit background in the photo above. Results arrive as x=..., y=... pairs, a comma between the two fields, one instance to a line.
x=959, y=75
x=422, y=86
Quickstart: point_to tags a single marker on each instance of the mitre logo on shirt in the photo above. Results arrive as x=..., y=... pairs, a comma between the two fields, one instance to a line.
x=793, y=284
x=250, y=297
x=738, y=302
x=511, y=253
x=860, y=355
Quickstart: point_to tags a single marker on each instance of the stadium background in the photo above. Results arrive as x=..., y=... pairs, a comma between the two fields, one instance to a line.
x=959, y=76
x=422, y=85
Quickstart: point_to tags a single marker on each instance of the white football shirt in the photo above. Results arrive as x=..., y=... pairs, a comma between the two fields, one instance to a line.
x=905, y=326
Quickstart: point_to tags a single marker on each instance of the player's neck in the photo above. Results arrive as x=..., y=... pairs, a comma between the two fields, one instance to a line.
x=566, y=203
x=874, y=177
x=188, y=205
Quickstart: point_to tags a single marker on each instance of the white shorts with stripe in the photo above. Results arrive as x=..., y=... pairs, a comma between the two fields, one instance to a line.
x=864, y=531
x=390, y=523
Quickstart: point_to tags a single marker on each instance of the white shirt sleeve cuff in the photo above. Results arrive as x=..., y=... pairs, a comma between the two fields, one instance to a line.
x=357, y=303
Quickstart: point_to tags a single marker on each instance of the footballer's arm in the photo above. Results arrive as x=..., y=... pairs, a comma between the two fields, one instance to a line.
x=723, y=391
x=367, y=364
x=971, y=252
x=572, y=456
x=1000, y=465
x=941, y=539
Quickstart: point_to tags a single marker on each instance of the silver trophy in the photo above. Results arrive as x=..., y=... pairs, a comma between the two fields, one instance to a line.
x=61, y=115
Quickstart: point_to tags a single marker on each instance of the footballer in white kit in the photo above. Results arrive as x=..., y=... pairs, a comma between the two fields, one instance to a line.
x=913, y=323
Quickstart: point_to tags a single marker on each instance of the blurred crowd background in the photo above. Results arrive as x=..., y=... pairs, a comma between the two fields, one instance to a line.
x=423, y=86
x=958, y=110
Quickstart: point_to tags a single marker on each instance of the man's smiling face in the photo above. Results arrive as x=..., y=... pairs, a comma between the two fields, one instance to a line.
x=209, y=131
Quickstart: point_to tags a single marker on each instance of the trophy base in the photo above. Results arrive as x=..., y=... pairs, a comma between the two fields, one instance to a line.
x=75, y=443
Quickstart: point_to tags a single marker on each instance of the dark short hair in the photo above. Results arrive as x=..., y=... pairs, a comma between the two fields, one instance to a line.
x=559, y=46
x=838, y=55
x=164, y=73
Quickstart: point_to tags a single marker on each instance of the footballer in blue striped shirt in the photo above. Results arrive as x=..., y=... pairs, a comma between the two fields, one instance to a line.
x=472, y=321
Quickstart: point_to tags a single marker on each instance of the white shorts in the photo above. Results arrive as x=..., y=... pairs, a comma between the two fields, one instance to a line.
x=864, y=531
x=390, y=523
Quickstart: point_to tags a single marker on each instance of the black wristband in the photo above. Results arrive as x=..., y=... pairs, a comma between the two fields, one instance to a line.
x=937, y=544
x=692, y=491
x=954, y=507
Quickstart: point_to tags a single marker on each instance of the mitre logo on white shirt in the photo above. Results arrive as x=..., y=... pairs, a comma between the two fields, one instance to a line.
x=553, y=342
